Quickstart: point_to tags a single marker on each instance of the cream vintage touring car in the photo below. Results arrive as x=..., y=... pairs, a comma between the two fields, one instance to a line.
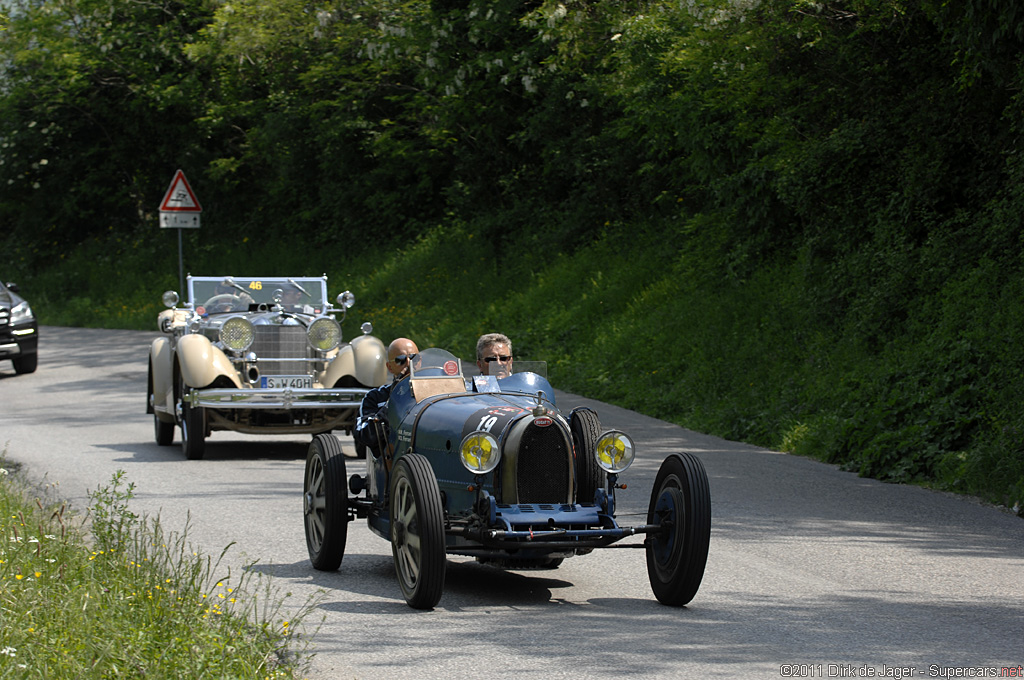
x=258, y=355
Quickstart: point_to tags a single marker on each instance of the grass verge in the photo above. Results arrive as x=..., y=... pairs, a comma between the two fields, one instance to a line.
x=113, y=595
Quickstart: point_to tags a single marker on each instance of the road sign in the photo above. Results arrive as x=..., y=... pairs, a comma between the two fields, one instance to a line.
x=179, y=220
x=180, y=208
x=179, y=196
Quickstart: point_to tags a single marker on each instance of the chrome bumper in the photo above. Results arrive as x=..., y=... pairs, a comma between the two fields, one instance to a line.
x=10, y=349
x=283, y=398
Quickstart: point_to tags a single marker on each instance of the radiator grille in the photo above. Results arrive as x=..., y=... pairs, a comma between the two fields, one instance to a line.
x=280, y=342
x=543, y=466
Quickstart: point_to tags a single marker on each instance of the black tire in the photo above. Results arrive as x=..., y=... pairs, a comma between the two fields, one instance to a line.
x=325, y=503
x=586, y=428
x=26, y=364
x=193, y=431
x=417, y=531
x=164, y=432
x=680, y=501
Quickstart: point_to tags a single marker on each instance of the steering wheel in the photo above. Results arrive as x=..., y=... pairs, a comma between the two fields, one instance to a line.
x=226, y=302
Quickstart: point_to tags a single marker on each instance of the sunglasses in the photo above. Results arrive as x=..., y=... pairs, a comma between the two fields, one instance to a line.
x=402, y=358
x=502, y=358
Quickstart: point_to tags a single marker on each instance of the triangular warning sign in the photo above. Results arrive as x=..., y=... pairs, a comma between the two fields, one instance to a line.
x=179, y=196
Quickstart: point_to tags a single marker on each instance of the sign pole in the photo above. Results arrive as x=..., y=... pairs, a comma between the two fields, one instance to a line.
x=181, y=266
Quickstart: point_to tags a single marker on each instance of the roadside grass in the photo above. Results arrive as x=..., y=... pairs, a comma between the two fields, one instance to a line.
x=114, y=595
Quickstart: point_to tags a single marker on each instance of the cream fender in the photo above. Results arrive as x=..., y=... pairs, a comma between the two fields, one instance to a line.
x=201, y=363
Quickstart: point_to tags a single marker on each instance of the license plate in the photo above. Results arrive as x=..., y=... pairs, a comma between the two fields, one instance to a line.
x=278, y=381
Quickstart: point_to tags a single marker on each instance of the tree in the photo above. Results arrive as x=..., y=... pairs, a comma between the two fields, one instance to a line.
x=97, y=109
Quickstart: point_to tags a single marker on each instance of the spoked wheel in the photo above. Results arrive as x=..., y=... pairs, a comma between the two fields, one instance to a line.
x=193, y=431
x=417, y=531
x=681, y=504
x=586, y=428
x=325, y=503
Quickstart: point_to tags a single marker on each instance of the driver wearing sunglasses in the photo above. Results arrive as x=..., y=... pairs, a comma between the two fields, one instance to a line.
x=401, y=352
x=494, y=355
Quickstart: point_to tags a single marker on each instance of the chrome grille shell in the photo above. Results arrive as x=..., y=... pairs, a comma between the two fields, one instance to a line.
x=287, y=343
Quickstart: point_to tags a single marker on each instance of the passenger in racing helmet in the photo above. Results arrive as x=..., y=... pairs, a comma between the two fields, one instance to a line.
x=401, y=353
x=494, y=355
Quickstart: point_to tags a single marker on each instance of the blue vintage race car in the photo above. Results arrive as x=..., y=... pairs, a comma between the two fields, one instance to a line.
x=490, y=468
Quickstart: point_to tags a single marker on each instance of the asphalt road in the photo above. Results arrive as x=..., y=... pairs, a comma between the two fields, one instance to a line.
x=813, y=572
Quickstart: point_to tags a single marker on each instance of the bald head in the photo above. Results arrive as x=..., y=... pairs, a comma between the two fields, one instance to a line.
x=399, y=352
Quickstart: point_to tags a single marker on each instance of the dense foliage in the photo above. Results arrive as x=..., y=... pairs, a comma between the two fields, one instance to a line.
x=789, y=222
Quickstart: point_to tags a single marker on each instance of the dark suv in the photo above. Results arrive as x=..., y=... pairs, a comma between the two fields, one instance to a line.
x=19, y=332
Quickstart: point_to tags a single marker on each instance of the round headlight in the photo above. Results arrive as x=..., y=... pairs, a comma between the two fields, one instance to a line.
x=614, y=451
x=324, y=334
x=237, y=334
x=479, y=452
x=346, y=300
x=170, y=298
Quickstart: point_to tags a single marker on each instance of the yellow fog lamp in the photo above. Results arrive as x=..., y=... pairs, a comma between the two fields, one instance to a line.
x=237, y=334
x=479, y=452
x=324, y=334
x=614, y=451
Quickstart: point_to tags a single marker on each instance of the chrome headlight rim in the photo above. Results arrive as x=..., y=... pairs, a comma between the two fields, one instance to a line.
x=614, y=451
x=237, y=334
x=170, y=299
x=345, y=300
x=480, y=452
x=324, y=334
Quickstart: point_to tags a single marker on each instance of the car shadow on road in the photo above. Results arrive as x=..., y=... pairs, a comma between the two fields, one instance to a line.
x=467, y=585
x=257, y=449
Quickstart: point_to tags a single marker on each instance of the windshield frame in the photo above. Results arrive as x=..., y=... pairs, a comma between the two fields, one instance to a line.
x=259, y=290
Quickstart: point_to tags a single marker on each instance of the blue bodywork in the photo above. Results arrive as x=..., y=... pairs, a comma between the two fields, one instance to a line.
x=431, y=411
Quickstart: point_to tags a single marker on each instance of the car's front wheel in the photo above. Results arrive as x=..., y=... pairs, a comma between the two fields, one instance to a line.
x=586, y=428
x=417, y=531
x=681, y=505
x=25, y=364
x=193, y=431
x=325, y=503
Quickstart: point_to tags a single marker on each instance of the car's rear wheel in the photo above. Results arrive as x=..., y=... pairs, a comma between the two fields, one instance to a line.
x=164, y=432
x=325, y=503
x=586, y=428
x=193, y=431
x=417, y=531
x=26, y=364
x=681, y=505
